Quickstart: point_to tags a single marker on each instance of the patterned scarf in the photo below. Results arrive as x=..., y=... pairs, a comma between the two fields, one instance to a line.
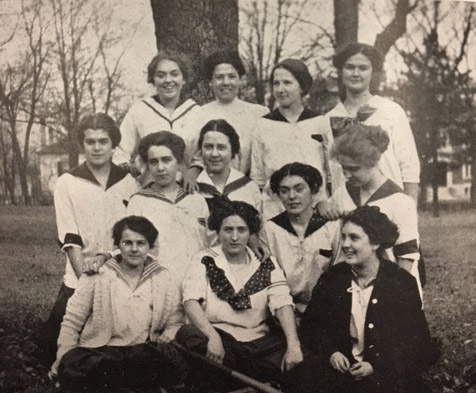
x=224, y=290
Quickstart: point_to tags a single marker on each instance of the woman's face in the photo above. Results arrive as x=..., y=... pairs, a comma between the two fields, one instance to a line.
x=356, y=245
x=216, y=152
x=286, y=88
x=98, y=148
x=225, y=83
x=134, y=248
x=295, y=194
x=168, y=80
x=162, y=165
x=357, y=73
x=233, y=235
x=356, y=174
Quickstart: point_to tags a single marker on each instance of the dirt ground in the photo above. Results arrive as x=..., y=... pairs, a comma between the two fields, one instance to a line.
x=31, y=269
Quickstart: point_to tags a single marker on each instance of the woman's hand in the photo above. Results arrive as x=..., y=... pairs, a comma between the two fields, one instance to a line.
x=215, y=350
x=93, y=264
x=260, y=248
x=339, y=362
x=292, y=357
x=131, y=168
x=190, y=179
x=328, y=210
x=361, y=370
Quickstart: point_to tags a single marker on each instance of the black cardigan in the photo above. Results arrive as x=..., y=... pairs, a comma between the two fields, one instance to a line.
x=397, y=339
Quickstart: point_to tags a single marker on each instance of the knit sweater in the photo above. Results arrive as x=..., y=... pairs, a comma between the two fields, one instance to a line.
x=88, y=317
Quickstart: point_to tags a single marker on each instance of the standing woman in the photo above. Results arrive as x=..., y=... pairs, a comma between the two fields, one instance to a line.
x=302, y=241
x=224, y=70
x=365, y=327
x=288, y=133
x=229, y=295
x=359, y=151
x=358, y=64
x=169, y=109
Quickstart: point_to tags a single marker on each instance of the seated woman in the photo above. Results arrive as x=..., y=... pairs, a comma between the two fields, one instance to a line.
x=365, y=327
x=359, y=151
x=228, y=296
x=219, y=143
x=302, y=241
x=118, y=322
x=179, y=216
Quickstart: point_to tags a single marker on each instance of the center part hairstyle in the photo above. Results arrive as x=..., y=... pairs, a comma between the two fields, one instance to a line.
x=235, y=208
x=223, y=57
x=311, y=176
x=98, y=121
x=378, y=227
x=137, y=224
x=364, y=144
x=162, y=138
x=299, y=70
x=220, y=125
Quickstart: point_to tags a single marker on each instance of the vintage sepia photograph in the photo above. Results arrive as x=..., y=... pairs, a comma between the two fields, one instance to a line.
x=217, y=196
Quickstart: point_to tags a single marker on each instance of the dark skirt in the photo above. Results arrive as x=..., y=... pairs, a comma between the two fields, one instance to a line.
x=111, y=367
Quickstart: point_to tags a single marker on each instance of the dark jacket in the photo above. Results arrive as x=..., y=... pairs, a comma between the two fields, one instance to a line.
x=397, y=339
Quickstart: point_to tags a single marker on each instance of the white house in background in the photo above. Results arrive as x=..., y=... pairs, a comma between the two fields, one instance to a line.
x=52, y=161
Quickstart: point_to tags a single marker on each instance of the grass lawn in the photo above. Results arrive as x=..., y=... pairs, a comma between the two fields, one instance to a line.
x=31, y=268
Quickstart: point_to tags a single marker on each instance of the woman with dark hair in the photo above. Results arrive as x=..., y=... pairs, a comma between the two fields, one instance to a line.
x=364, y=327
x=303, y=242
x=290, y=133
x=359, y=152
x=229, y=295
x=224, y=70
x=118, y=322
x=218, y=144
x=179, y=216
x=88, y=199
x=169, y=109
x=359, y=66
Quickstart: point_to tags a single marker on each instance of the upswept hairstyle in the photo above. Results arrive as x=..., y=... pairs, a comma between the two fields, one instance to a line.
x=378, y=227
x=137, y=224
x=220, y=125
x=181, y=59
x=375, y=57
x=299, y=70
x=364, y=144
x=235, y=208
x=162, y=138
x=96, y=121
x=311, y=176
x=223, y=57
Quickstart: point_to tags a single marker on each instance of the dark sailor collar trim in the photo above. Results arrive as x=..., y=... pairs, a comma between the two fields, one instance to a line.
x=150, y=192
x=115, y=175
x=181, y=110
x=229, y=188
x=315, y=223
x=385, y=190
x=276, y=115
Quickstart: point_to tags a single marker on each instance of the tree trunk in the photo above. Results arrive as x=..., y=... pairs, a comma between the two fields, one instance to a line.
x=20, y=165
x=346, y=22
x=196, y=28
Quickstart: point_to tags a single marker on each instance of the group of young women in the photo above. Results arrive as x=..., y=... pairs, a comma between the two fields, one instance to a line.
x=277, y=243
